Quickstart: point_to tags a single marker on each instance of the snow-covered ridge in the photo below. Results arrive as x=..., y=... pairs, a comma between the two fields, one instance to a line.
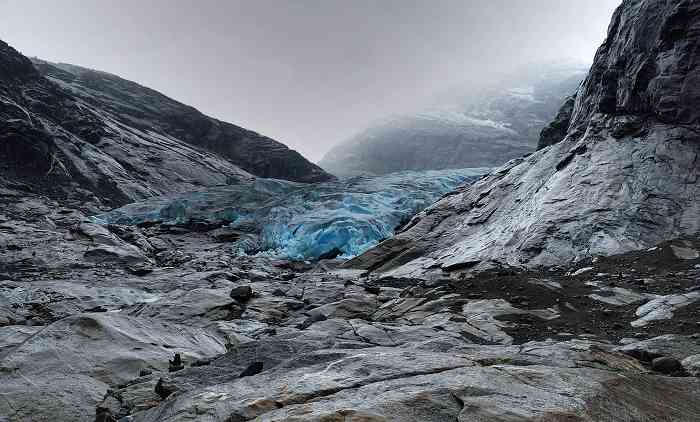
x=299, y=221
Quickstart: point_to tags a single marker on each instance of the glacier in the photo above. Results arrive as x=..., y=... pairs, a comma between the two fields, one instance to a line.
x=300, y=221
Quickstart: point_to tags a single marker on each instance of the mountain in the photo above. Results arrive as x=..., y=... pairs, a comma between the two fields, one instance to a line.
x=78, y=133
x=623, y=176
x=476, y=128
x=151, y=313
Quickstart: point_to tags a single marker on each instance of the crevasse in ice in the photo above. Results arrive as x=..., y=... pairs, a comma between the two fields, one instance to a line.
x=303, y=221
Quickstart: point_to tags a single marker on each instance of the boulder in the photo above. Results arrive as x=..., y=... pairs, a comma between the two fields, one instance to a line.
x=241, y=294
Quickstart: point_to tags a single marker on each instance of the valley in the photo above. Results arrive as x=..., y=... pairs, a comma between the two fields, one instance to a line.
x=160, y=265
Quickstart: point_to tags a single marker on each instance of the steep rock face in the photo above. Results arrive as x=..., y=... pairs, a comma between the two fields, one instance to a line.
x=558, y=128
x=478, y=129
x=624, y=177
x=110, y=144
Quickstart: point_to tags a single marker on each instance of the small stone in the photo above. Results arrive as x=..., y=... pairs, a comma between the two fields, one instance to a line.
x=279, y=293
x=140, y=271
x=666, y=365
x=295, y=305
x=176, y=364
x=201, y=362
x=252, y=369
x=165, y=387
x=332, y=254
x=684, y=253
x=308, y=322
x=241, y=294
x=104, y=415
x=581, y=271
x=369, y=288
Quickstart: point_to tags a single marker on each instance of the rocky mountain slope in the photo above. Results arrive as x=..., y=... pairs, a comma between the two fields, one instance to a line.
x=73, y=132
x=622, y=177
x=479, y=128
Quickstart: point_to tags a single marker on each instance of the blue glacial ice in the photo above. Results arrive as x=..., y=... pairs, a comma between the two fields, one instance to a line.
x=301, y=221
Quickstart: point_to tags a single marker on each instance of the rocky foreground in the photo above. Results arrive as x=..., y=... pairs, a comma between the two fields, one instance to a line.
x=166, y=323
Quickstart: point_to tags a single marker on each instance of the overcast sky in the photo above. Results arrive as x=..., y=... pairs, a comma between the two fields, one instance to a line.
x=309, y=73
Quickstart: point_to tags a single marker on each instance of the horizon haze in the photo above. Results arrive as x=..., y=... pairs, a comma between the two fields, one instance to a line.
x=310, y=73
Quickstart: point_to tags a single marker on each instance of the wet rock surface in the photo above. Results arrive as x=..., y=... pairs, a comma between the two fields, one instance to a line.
x=206, y=334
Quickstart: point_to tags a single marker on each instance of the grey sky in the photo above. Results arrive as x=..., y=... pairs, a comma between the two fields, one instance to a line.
x=309, y=73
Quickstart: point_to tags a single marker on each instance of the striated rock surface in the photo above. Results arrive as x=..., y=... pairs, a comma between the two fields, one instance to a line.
x=481, y=128
x=624, y=177
x=85, y=339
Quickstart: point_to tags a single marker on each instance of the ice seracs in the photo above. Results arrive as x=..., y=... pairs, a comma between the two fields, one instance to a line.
x=297, y=221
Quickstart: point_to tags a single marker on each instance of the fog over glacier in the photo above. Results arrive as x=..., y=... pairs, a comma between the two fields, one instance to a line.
x=309, y=73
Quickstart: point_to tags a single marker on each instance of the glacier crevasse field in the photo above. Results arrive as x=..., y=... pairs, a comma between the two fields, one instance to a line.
x=302, y=221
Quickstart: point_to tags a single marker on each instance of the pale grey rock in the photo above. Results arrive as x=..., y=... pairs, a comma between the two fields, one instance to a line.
x=581, y=271
x=380, y=384
x=691, y=364
x=662, y=308
x=481, y=318
x=69, y=365
x=685, y=253
x=197, y=307
x=350, y=307
x=673, y=345
x=619, y=297
x=14, y=335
